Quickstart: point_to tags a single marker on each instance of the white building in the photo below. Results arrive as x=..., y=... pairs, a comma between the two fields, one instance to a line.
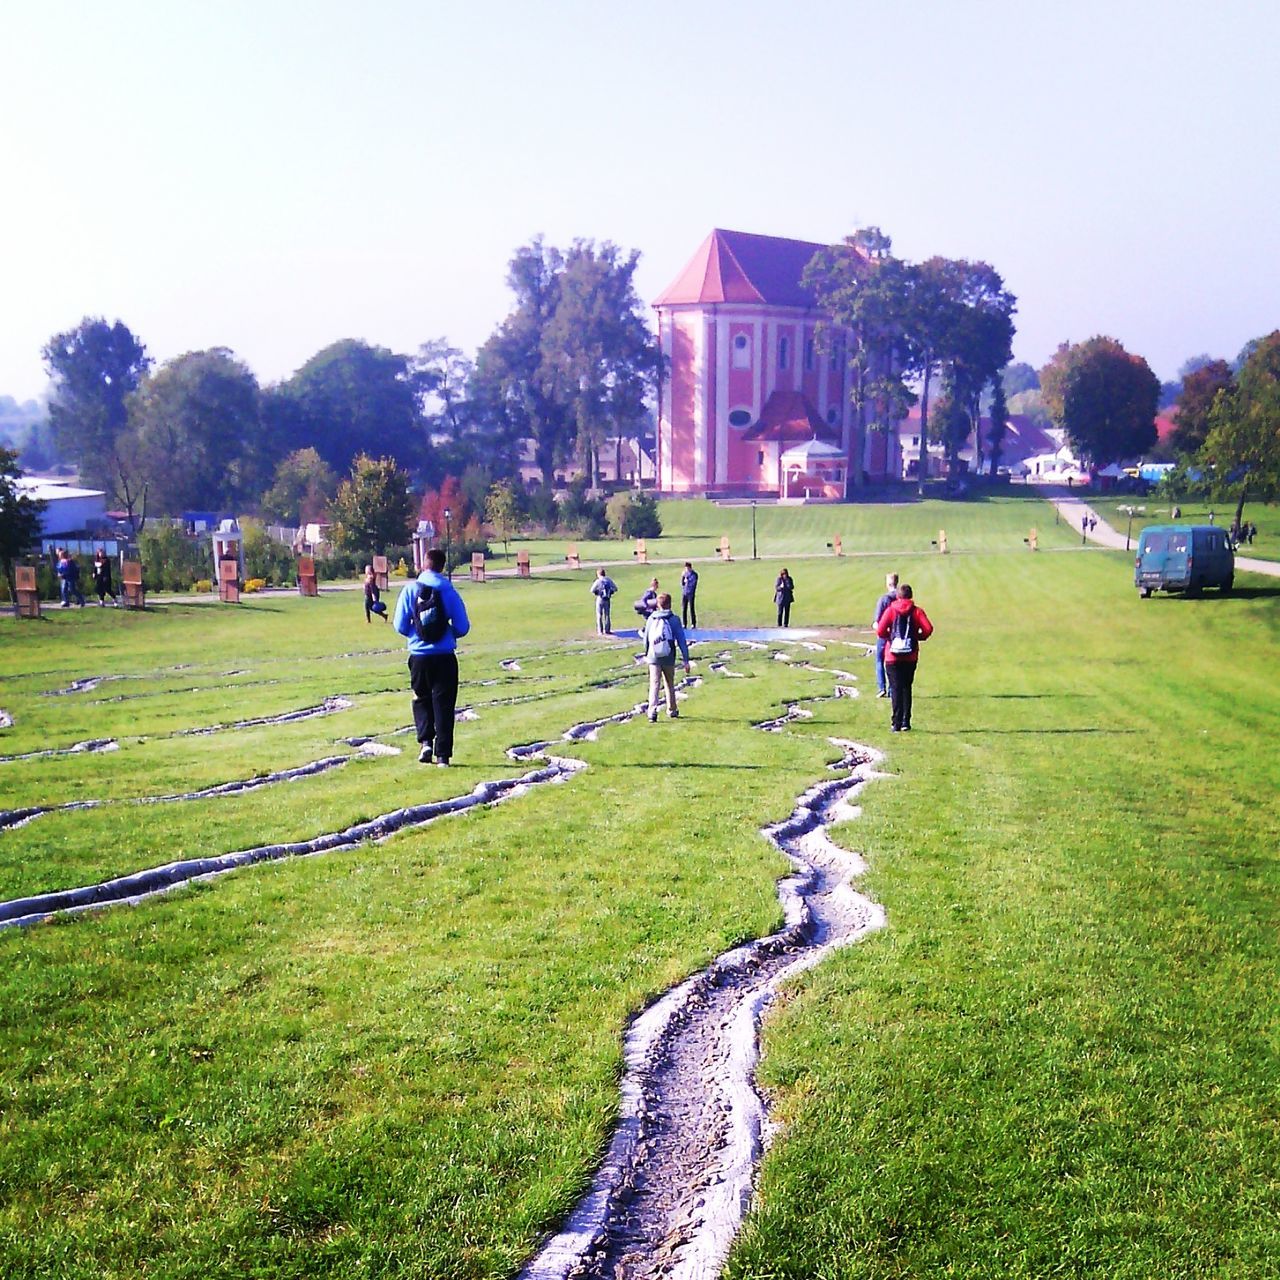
x=68, y=510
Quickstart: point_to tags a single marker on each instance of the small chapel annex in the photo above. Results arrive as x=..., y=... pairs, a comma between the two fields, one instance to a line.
x=753, y=404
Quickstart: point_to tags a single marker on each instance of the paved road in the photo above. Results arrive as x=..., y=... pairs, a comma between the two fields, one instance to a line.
x=1073, y=509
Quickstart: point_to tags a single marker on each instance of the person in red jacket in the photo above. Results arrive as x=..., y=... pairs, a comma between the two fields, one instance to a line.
x=905, y=626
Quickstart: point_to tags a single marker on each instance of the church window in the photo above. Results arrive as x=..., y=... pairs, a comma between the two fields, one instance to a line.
x=739, y=417
x=783, y=346
x=832, y=415
x=741, y=351
x=759, y=457
x=808, y=355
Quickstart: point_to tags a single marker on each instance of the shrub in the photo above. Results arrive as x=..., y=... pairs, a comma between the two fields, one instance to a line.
x=402, y=568
x=202, y=585
x=632, y=514
x=254, y=584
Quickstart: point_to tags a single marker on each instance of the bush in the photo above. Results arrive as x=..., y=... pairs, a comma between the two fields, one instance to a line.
x=202, y=586
x=265, y=558
x=543, y=509
x=582, y=515
x=254, y=584
x=632, y=514
x=172, y=560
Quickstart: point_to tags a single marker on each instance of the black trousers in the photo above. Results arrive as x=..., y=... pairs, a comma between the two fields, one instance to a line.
x=784, y=614
x=901, y=676
x=434, y=678
x=688, y=612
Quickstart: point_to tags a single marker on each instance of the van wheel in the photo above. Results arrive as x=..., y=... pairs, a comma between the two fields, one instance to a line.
x=1226, y=586
x=1193, y=589
x=1144, y=593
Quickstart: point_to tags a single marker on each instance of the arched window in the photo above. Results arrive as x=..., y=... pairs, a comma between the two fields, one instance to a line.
x=741, y=351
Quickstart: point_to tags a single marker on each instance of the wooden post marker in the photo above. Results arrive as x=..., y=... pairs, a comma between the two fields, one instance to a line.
x=1034, y=540
x=642, y=556
x=572, y=556
x=381, y=573
x=229, y=581
x=837, y=546
x=522, y=564
x=942, y=541
x=477, y=566
x=135, y=597
x=307, y=576
x=28, y=592
x=724, y=547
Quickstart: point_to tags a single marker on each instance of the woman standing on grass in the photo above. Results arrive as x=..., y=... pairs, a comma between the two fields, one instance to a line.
x=102, y=579
x=905, y=626
x=784, y=592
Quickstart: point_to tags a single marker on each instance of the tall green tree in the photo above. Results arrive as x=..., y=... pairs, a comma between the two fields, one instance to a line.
x=196, y=429
x=1244, y=431
x=1105, y=400
x=1200, y=387
x=374, y=508
x=19, y=520
x=502, y=511
x=94, y=369
x=999, y=413
x=347, y=400
x=303, y=488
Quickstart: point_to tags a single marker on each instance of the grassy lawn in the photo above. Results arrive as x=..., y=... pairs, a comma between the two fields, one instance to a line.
x=1266, y=515
x=1060, y=1058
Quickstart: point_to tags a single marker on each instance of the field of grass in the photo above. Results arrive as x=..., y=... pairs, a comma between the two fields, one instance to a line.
x=1062, y=1057
x=1265, y=515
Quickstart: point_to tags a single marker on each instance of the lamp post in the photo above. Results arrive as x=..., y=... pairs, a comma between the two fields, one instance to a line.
x=1130, y=512
x=753, y=528
x=448, y=530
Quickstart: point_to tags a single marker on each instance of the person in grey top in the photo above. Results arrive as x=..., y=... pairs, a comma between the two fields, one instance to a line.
x=603, y=588
x=890, y=595
x=663, y=634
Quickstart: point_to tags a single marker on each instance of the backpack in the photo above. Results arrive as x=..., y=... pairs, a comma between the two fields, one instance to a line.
x=901, y=641
x=430, y=617
x=662, y=645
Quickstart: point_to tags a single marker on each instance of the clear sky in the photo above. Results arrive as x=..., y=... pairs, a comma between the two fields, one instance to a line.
x=274, y=175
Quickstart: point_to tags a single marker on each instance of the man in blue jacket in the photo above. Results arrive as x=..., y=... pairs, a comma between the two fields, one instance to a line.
x=431, y=614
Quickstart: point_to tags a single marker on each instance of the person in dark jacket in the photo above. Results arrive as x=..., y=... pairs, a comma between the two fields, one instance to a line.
x=688, y=592
x=69, y=579
x=649, y=601
x=784, y=592
x=102, y=579
x=905, y=626
x=890, y=595
x=433, y=664
x=373, y=596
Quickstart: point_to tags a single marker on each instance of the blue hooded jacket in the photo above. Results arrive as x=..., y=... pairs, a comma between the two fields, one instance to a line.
x=459, y=623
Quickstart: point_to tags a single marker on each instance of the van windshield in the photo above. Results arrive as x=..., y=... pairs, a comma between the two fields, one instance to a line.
x=1158, y=544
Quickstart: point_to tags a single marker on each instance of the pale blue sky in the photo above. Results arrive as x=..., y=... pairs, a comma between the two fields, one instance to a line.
x=273, y=175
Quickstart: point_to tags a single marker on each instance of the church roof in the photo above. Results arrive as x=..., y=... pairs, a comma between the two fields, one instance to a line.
x=735, y=266
x=790, y=415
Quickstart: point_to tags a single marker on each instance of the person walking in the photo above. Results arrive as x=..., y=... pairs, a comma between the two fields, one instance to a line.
x=784, y=592
x=603, y=588
x=102, y=579
x=69, y=579
x=889, y=596
x=688, y=596
x=431, y=614
x=905, y=626
x=373, y=596
x=663, y=635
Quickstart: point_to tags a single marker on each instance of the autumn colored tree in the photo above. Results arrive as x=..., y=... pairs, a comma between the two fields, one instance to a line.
x=1200, y=388
x=373, y=508
x=303, y=488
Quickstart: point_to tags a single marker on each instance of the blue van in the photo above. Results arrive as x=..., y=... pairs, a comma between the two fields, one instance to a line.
x=1183, y=557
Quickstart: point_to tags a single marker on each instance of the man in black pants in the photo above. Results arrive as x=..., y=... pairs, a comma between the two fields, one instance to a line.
x=431, y=614
x=688, y=592
x=906, y=627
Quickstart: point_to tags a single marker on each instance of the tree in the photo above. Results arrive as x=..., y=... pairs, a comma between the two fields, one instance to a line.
x=1018, y=377
x=633, y=514
x=19, y=520
x=999, y=413
x=1200, y=386
x=374, y=507
x=1244, y=430
x=303, y=488
x=1107, y=400
x=351, y=399
x=196, y=428
x=502, y=511
x=94, y=368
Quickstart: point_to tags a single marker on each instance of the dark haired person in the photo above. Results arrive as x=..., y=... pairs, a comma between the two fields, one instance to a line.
x=688, y=593
x=905, y=626
x=102, y=579
x=784, y=592
x=373, y=596
x=889, y=596
x=433, y=658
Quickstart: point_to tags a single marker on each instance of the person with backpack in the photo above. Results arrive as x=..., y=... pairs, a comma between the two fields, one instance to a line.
x=604, y=589
x=688, y=592
x=663, y=635
x=69, y=579
x=890, y=595
x=905, y=627
x=431, y=614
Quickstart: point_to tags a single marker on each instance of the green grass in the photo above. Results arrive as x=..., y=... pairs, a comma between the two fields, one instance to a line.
x=1060, y=1058
x=1266, y=515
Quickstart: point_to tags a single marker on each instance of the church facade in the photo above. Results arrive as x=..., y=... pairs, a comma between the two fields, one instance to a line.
x=753, y=402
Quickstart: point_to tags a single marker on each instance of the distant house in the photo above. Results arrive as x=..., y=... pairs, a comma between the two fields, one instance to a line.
x=749, y=379
x=70, y=512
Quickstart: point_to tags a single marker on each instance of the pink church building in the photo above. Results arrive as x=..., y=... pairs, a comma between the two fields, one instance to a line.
x=752, y=403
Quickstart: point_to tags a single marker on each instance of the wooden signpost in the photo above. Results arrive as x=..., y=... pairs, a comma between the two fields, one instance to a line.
x=28, y=592
x=642, y=555
x=135, y=596
x=724, y=547
x=229, y=581
x=477, y=566
x=381, y=573
x=942, y=541
x=522, y=564
x=837, y=546
x=572, y=557
x=307, y=576
x=1034, y=540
